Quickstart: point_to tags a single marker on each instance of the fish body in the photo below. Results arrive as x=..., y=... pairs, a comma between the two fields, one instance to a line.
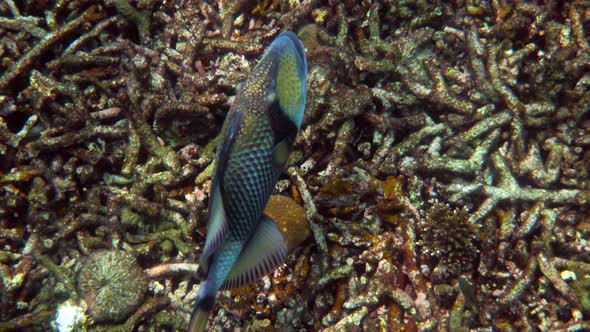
x=258, y=133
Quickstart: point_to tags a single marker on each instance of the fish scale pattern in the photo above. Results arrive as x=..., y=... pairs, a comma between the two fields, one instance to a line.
x=249, y=179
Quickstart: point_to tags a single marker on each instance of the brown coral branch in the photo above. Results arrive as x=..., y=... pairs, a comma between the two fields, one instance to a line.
x=90, y=15
x=314, y=218
x=73, y=138
x=172, y=268
x=518, y=287
x=29, y=320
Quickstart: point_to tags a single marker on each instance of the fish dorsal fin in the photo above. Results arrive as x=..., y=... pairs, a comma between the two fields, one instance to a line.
x=218, y=222
x=263, y=253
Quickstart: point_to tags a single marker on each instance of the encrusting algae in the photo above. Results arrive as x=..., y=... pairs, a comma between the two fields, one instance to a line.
x=290, y=218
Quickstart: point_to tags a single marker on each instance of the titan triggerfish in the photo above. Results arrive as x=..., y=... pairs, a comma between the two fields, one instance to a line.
x=242, y=244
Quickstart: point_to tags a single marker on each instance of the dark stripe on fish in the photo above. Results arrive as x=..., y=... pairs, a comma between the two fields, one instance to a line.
x=283, y=128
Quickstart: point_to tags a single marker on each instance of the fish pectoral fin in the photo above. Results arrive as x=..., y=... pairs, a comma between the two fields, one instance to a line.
x=263, y=253
x=280, y=153
x=217, y=229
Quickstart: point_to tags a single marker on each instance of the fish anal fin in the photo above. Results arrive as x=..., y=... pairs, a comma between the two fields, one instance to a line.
x=263, y=253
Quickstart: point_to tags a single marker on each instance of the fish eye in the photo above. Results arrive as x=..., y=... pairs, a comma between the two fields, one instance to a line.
x=271, y=97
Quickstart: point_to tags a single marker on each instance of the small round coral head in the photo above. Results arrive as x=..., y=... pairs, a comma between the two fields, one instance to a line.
x=290, y=218
x=112, y=284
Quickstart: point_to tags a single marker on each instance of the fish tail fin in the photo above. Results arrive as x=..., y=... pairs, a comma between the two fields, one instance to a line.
x=203, y=306
x=199, y=320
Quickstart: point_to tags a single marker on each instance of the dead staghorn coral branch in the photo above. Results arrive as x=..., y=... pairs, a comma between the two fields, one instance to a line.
x=508, y=189
x=172, y=268
x=72, y=138
x=314, y=218
x=90, y=15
